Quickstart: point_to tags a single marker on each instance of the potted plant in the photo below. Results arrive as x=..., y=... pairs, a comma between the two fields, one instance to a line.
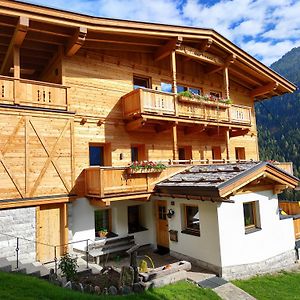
x=102, y=232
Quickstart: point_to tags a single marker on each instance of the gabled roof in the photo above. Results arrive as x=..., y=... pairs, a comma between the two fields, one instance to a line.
x=56, y=27
x=219, y=181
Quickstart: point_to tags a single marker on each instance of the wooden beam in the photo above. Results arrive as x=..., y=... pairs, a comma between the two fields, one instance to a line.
x=264, y=89
x=227, y=144
x=195, y=129
x=136, y=124
x=238, y=132
x=226, y=83
x=215, y=131
x=175, y=142
x=213, y=69
x=55, y=58
x=16, y=41
x=199, y=55
x=202, y=47
x=166, y=50
x=163, y=127
x=99, y=203
x=76, y=41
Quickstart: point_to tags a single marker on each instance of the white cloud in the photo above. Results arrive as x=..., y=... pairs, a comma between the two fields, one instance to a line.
x=264, y=28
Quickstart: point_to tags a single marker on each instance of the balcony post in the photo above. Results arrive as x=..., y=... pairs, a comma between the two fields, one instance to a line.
x=227, y=145
x=17, y=73
x=174, y=79
x=175, y=143
x=226, y=83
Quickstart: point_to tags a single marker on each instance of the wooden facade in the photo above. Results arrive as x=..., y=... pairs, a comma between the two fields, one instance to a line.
x=67, y=82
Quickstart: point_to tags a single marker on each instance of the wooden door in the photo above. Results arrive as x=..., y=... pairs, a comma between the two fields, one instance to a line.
x=240, y=153
x=216, y=153
x=162, y=224
x=48, y=232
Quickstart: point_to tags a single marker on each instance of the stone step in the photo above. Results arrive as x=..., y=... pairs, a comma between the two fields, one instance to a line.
x=5, y=265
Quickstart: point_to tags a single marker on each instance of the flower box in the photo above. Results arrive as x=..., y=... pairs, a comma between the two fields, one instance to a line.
x=143, y=171
x=145, y=167
x=203, y=102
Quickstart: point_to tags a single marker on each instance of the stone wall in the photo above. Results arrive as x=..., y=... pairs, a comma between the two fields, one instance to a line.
x=19, y=222
x=279, y=262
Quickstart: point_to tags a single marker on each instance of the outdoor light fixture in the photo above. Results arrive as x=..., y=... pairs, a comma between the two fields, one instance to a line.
x=170, y=213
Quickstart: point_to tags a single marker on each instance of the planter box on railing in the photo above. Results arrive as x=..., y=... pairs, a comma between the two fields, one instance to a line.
x=143, y=171
x=203, y=102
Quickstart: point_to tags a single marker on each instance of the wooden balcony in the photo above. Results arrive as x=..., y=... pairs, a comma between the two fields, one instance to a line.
x=111, y=182
x=152, y=104
x=292, y=209
x=32, y=93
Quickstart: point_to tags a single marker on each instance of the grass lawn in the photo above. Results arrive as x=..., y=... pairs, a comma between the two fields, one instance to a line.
x=283, y=286
x=18, y=286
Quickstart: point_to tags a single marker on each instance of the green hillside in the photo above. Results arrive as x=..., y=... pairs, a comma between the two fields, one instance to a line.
x=278, y=119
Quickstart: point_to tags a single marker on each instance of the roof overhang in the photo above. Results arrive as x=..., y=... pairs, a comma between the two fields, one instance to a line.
x=75, y=31
x=263, y=171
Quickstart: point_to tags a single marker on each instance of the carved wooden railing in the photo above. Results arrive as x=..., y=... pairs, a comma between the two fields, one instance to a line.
x=33, y=93
x=151, y=102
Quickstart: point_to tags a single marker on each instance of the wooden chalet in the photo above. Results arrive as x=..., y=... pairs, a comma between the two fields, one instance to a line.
x=81, y=97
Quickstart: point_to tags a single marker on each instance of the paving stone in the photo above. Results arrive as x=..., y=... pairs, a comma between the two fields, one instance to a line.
x=229, y=291
x=212, y=282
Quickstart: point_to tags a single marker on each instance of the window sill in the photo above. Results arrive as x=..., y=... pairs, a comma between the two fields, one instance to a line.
x=191, y=232
x=141, y=229
x=252, y=230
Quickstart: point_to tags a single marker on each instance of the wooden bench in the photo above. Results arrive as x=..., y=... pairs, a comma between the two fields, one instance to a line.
x=110, y=246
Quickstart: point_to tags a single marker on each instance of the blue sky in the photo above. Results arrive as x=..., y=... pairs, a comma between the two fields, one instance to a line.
x=266, y=29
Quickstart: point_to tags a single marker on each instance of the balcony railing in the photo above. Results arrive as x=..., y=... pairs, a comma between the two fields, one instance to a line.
x=32, y=93
x=112, y=181
x=151, y=102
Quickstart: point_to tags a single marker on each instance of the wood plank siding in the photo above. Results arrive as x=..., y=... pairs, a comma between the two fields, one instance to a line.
x=67, y=84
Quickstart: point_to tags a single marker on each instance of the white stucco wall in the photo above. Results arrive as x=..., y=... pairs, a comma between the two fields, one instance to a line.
x=83, y=221
x=275, y=237
x=204, y=247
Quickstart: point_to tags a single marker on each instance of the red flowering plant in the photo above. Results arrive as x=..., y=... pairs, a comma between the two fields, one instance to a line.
x=147, y=165
x=206, y=97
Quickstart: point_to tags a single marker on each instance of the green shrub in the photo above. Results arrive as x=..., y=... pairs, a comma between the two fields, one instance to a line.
x=68, y=266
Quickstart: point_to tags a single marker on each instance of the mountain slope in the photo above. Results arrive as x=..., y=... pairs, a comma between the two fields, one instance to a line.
x=278, y=119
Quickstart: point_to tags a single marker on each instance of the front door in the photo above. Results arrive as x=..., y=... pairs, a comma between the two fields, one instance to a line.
x=48, y=232
x=162, y=224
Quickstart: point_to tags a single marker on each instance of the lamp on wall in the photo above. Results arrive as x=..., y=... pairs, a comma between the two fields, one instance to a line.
x=170, y=213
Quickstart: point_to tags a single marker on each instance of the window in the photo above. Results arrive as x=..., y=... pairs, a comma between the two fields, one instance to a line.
x=251, y=216
x=166, y=87
x=216, y=95
x=141, y=82
x=134, y=219
x=185, y=153
x=240, y=153
x=96, y=155
x=181, y=88
x=195, y=91
x=102, y=221
x=134, y=153
x=100, y=154
x=138, y=152
x=191, y=220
